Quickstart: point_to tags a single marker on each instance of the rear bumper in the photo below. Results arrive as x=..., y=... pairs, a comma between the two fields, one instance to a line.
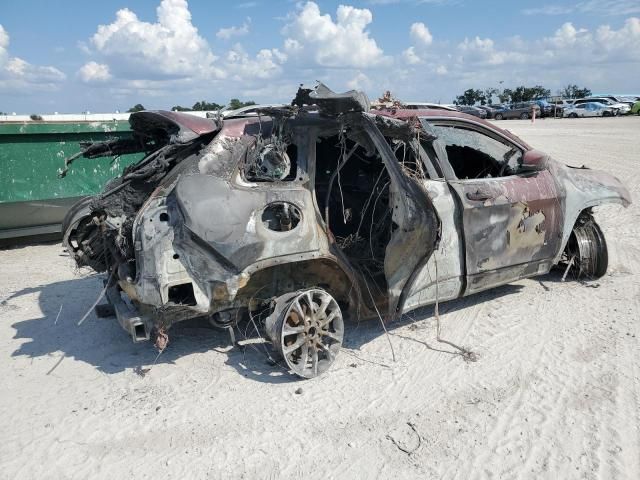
x=128, y=317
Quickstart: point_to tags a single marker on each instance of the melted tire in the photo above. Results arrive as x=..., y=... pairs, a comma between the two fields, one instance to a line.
x=588, y=247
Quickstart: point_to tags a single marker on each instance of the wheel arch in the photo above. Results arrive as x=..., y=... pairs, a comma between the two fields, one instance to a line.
x=322, y=272
x=572, y=218
x=584, y=189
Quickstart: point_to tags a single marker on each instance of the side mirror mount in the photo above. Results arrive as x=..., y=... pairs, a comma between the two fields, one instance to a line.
x=533, y=161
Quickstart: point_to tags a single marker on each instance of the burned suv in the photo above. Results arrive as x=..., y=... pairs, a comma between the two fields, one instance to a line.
x=303, y=216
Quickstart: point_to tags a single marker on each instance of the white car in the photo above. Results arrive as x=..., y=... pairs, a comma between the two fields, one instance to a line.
x=589, y=109
x=564, y=103
x=622, y=108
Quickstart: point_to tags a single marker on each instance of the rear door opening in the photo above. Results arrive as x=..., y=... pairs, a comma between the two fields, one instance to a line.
x=379, y=216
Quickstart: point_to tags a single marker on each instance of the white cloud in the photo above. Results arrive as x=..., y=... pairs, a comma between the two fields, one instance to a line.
x=571, y=54
x=343, y=43
x=92, y=72
x=548, y=10
x=83, y=47
x=476, y=44
x=568, y=36
x=624, y=41
x=4, y=45
x=410, y=56
x=169, y=48
x=359, y=82
x=266, y=64
x=482, y=51
x=610, y=7
x=595, y=7
x=166, y=60
x=17, y=74
x=229, y=32
x=421, y=39
x=420, y=33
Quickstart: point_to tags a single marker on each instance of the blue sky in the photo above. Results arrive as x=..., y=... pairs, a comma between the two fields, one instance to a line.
x=72, y=56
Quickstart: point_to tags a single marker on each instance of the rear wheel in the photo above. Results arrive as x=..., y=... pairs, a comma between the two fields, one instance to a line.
x=586, y=250
x=524, y=116
x=573, y=115
x=307, y=329
x=498, y=116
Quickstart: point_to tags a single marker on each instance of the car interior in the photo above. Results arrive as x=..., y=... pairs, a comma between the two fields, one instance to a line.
x=473, y=154
x=352, y=187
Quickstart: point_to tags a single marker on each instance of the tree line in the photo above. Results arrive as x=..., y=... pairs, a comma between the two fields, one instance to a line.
x=519, y=94
x=202, y=105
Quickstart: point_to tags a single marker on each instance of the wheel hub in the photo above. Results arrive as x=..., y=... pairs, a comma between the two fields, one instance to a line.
x=307, y=329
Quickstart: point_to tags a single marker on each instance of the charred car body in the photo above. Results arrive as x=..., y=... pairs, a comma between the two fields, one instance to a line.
x=305, y=215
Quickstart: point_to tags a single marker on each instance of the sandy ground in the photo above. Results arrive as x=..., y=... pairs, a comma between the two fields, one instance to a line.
x=555, y=392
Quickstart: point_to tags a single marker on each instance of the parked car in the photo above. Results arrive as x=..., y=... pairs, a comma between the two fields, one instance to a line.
x=323, y=211
x=563, y=102
x=490, y=109
x=470, y=110
x=622, y=108
x=591, y=109
x=522, y=110
x=427, y=106
x=549, y=109
x=617, y=99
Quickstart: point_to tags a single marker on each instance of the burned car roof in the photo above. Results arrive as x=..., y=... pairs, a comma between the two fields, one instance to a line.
x=405, y=114
x=182, y=126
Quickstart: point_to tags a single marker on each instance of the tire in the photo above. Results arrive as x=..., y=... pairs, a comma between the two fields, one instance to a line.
x=524, y=116
x=606, y=114
x=306, y=328
x=498, y=116
x=573, y=115
x=588, y=249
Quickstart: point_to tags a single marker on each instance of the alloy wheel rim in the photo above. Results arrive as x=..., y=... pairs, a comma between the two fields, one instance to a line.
x=312, y=331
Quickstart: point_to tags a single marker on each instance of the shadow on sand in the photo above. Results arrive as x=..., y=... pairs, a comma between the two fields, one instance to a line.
x=102, y=343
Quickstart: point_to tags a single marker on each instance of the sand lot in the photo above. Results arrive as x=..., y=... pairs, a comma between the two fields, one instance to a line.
x=555, y=392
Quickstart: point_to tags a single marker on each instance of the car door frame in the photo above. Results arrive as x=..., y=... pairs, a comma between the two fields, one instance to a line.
x=504, y=210
x=442, y=276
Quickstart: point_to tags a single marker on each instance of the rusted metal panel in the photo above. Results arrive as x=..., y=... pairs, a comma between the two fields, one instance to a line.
x=228, y=215
x=509, y=221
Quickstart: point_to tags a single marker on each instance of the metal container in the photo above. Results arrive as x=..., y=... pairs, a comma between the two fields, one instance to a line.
x=33, y=199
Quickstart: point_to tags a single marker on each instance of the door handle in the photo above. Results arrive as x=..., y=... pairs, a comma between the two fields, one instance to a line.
x=480, y=195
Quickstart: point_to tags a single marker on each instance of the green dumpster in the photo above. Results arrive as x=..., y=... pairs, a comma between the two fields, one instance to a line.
x=33, y=199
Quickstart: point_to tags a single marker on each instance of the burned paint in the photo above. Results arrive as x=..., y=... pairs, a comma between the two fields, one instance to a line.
x=286, y=203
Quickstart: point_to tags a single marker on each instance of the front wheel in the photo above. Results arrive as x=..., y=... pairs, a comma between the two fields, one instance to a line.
x=586, y=250
x=524, y=116
x=573, y=115
x=498, y=116
x=606, y=114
